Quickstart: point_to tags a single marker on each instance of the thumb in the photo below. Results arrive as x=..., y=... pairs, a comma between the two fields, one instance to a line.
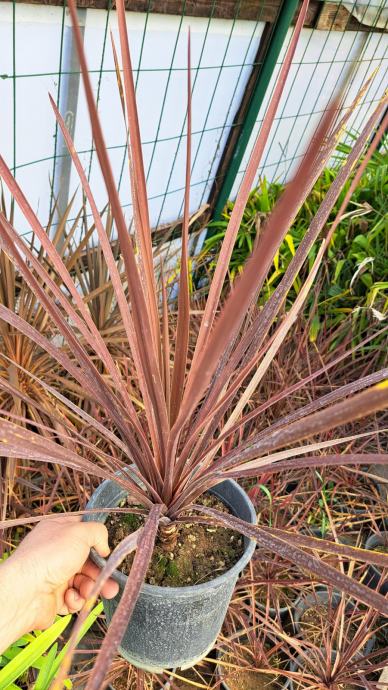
x=96, y=535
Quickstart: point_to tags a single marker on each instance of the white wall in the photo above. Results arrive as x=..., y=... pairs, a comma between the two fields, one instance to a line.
x=222, y=49
x=321, y=64
x=218, y=87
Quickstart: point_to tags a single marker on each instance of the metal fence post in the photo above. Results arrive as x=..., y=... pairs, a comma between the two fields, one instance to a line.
x=278, y=35
x=68, y=108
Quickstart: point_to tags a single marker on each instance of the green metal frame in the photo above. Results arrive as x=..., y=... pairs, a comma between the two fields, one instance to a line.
x=279, y=33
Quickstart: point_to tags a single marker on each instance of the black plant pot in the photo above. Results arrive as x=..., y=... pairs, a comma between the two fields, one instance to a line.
x=175, y=627
x=281, y=612
x=348, y=538
x=299, y=664
x=296, y=665
x=319, y=597
x=373, y=576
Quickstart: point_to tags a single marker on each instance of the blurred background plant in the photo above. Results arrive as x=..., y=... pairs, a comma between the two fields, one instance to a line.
x=352, y=288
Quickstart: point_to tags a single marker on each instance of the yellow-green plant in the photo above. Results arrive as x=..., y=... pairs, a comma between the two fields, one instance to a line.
x=40, y=652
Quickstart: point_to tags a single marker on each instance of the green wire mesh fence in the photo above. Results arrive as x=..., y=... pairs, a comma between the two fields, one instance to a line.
x=237, y=48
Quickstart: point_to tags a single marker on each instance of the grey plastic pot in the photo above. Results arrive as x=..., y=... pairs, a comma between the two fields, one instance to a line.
x=175, y=627
x=297, y=664
x=373, y=576
x=310, y=600
x=382, y=487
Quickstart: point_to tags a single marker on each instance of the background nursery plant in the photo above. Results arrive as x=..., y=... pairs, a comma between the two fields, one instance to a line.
x=162, y=464
x=351, y=288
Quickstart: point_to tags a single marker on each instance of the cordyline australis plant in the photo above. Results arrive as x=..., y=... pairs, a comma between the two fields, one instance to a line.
x=174, y=449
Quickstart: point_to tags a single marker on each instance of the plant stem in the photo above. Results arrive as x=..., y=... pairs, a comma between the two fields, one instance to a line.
x=168, y=535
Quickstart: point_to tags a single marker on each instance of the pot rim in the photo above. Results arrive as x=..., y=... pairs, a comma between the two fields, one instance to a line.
x=190, y=590
x=375, y=539
x=310, y=599
x=335, y=599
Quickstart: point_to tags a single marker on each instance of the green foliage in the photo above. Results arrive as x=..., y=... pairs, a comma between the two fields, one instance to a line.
x=132, y=521
x=168, y=567
x=354, y=276
x=39, y=651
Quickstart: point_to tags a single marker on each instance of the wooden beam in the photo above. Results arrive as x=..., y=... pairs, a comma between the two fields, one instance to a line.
x=332, y=17
x=320, y=15
x=335, y=17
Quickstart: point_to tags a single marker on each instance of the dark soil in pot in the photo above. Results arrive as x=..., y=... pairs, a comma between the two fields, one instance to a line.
x=201, y=552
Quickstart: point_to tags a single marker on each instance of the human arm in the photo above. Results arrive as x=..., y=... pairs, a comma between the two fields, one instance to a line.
x=50, y=573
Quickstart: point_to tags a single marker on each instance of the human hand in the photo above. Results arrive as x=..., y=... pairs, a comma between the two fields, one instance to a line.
x=50, y=571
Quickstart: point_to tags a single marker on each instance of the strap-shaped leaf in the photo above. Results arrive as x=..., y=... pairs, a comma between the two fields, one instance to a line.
x=312, y=461
x=357, y=407
x=31, y=652
x=245, y=189
x=288, y=549
x=182, y=335
x=140, y=312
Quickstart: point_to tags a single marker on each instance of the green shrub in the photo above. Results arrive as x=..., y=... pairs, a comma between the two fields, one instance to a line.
x=354, y=276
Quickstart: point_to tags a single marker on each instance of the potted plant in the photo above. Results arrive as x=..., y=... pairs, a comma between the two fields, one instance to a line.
x=246, y=668
x=320, y=614
x=248, y=657
x=335, y=647
x=165, y=453
x=270, y=585
x=314, y=669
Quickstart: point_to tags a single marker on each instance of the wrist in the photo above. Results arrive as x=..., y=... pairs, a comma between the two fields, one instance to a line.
x=17, y=605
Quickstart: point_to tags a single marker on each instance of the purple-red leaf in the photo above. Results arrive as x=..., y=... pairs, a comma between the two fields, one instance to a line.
x=287, y=548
